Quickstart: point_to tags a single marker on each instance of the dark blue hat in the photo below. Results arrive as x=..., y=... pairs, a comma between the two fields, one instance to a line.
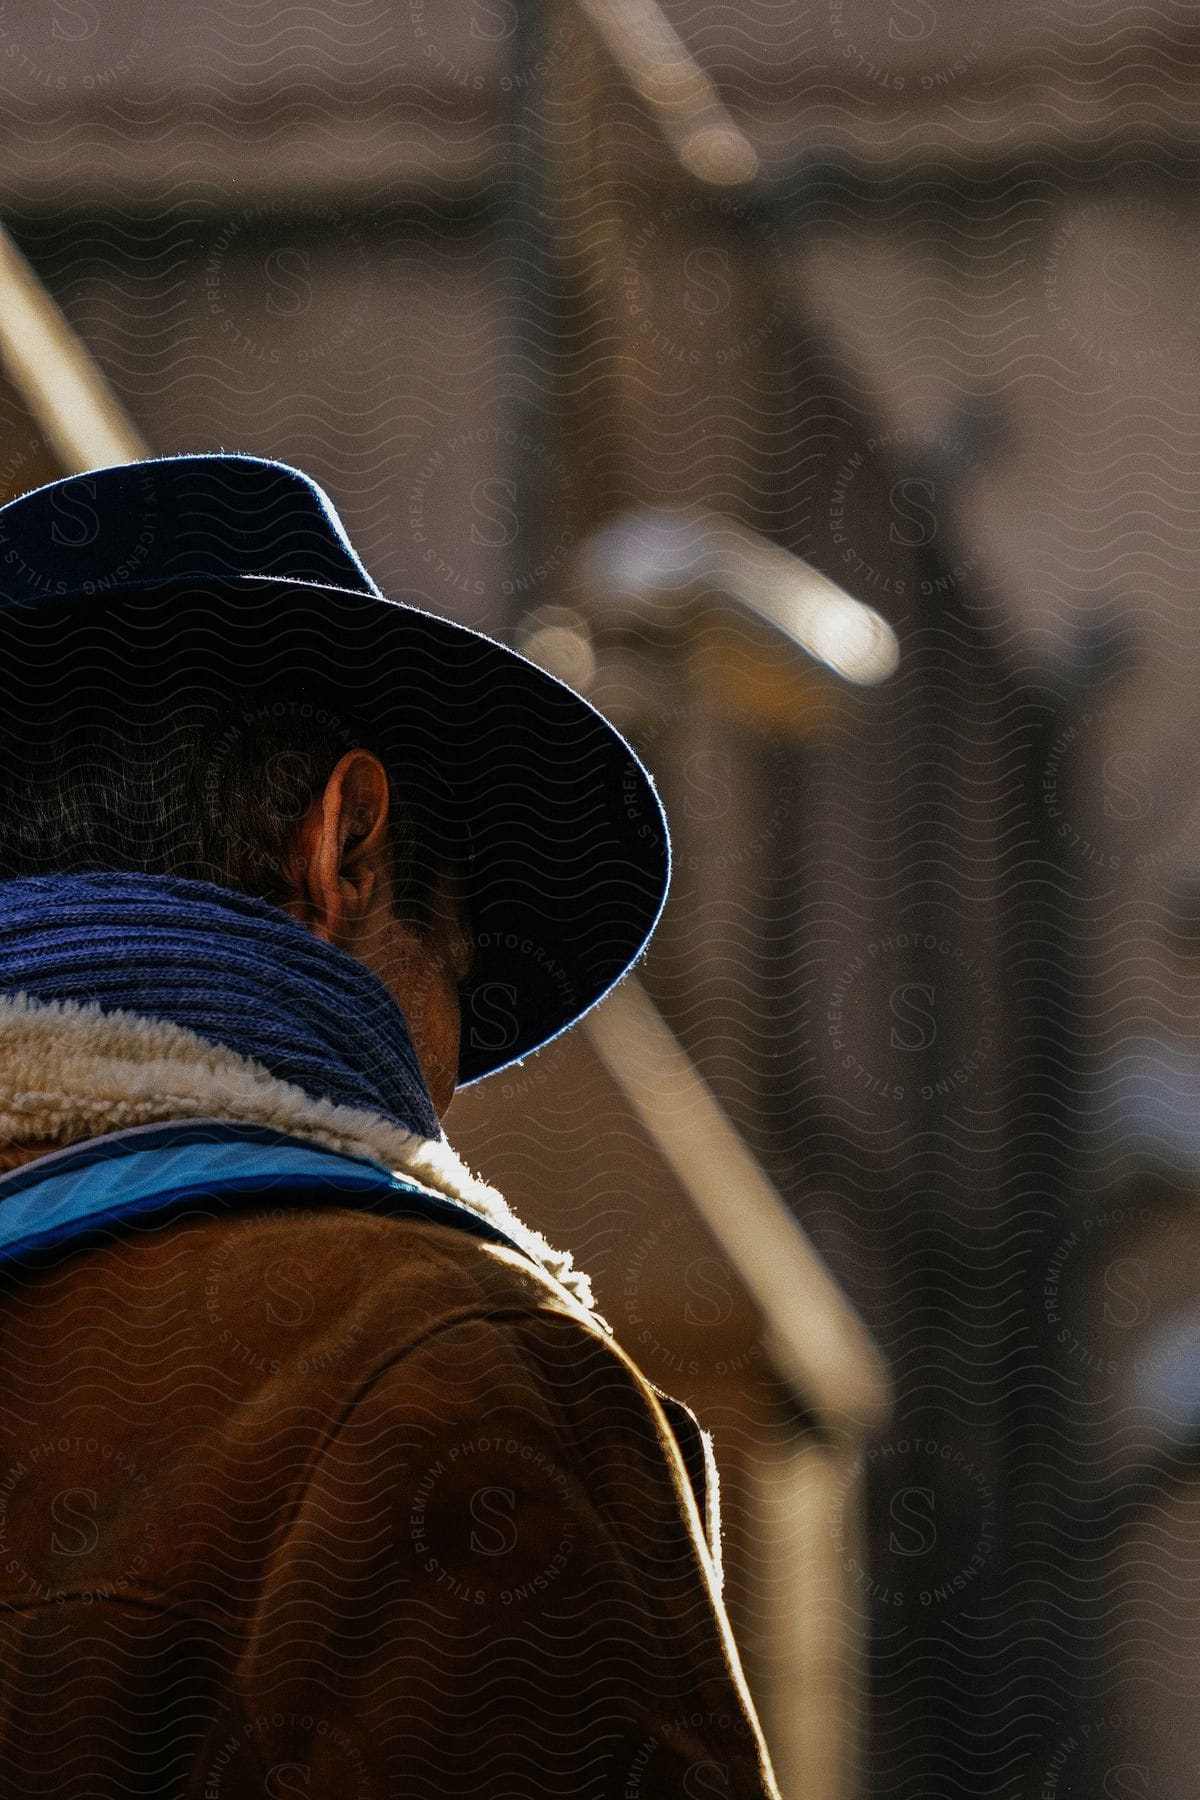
x=231, y=571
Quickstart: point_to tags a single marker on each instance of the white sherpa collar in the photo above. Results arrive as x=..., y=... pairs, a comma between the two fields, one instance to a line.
x=70, y=1071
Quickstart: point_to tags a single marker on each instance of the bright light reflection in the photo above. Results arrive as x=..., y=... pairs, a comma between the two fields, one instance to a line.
x=813, y=611
x=656, y=552
x=850, y=638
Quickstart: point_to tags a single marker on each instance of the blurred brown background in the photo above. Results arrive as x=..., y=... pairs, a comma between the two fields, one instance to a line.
x=908, y=290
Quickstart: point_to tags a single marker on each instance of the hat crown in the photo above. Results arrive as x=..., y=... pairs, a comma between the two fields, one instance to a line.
x=174, y=518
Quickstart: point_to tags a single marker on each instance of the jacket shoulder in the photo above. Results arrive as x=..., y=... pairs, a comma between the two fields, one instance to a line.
x=409, y=1275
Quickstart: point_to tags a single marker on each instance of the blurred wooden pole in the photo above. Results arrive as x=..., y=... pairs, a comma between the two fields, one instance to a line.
x=814, y=1337
x=83, y=423
x=814, y=1712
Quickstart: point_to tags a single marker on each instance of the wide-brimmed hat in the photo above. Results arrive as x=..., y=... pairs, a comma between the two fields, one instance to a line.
x=216, y=572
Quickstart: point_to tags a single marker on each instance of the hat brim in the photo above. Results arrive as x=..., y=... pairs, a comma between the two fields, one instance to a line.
x=571, y=853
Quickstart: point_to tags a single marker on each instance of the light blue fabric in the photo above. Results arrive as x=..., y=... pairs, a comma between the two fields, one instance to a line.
x=199, y=1167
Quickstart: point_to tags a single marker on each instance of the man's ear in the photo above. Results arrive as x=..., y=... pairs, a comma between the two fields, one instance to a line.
x=337, y=855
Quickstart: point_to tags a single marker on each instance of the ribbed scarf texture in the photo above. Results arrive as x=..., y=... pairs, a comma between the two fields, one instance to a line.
x=229, y=967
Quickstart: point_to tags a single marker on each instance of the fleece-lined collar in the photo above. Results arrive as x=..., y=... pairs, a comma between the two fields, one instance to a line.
x=70, y=1071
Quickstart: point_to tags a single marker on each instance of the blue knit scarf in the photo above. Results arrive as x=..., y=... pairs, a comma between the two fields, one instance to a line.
x=233, y=969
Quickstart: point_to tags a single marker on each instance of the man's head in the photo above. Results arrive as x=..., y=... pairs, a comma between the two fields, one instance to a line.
x=215, y=570
x=273, y=792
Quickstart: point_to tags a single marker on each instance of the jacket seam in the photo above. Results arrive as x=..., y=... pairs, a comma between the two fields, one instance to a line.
x=235, y=1688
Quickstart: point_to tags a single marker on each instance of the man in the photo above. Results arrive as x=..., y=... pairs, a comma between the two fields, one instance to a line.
x=319, y=1473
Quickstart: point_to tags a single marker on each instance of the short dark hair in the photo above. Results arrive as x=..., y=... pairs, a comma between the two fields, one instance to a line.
x=207, y=788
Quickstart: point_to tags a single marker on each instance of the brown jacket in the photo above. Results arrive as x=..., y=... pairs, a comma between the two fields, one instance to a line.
x=331, y=1504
